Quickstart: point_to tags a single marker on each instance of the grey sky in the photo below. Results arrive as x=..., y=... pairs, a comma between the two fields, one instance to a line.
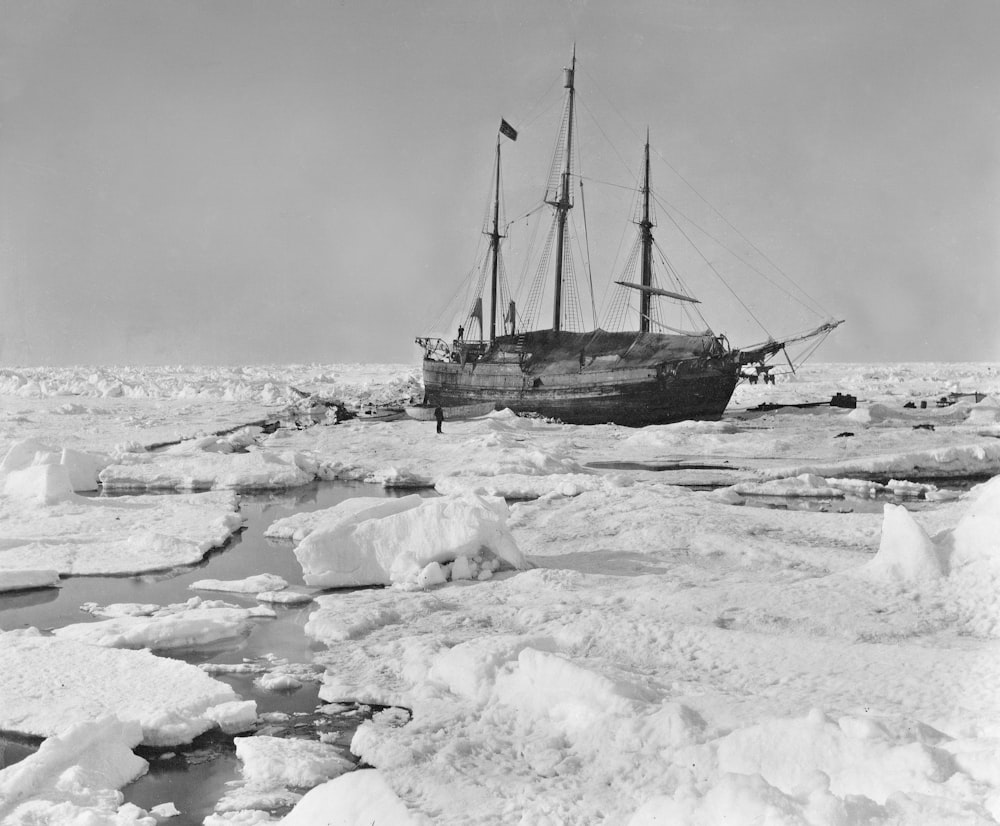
x=239, y=181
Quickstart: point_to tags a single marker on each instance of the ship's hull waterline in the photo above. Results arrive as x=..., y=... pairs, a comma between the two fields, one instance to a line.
x=573, y=378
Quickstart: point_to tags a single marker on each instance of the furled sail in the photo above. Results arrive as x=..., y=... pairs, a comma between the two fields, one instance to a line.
x=658, y=291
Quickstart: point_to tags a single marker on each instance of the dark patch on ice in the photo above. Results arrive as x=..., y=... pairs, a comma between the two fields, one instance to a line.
x=659, y=466
x=609, y=563
x=291, y=417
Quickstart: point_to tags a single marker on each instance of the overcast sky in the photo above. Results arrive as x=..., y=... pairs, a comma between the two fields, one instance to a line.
x=238, y=181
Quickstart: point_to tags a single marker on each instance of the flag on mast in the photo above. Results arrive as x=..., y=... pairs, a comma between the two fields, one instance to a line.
x=508, y=130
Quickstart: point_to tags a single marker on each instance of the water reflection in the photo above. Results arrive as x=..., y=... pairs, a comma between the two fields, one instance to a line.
x=19, y=600
x=248, y=552
x=270, y=641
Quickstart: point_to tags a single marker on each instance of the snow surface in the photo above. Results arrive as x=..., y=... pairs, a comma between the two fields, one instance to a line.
x=256, y=584
x=49, y=684
x=272, y=767
x=662, y=655
x=182, y=625
x=74, y=776
x=28, y=580
x=44, y=525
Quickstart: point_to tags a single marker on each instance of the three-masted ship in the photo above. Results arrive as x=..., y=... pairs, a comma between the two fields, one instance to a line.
x=634, y=378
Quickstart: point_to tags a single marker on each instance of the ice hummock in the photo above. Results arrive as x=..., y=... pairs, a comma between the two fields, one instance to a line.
x=410, y=541
x=272, y=768
x=74, y=777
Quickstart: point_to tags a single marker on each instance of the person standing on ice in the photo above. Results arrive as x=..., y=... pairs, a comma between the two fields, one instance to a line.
x=439, y=415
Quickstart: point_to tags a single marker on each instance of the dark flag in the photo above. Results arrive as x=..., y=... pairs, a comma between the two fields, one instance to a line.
x=508, y=130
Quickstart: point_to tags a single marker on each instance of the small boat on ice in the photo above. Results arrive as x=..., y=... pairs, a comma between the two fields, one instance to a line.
x=630, y=377
x=370, y=412
x=425, y=412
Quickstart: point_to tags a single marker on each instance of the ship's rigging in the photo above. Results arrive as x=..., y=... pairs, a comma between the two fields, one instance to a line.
x=663, y=370
x=488, y=306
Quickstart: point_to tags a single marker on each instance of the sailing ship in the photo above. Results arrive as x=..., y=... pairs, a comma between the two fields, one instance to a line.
x=634, y=378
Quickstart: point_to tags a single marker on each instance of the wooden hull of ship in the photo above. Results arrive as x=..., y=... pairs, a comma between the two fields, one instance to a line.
x=632, y=379
x=635, y=402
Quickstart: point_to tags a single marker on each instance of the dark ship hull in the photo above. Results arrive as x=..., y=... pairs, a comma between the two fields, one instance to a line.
x=632, y=379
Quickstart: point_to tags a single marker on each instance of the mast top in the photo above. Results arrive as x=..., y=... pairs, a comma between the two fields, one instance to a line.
x=568, y=73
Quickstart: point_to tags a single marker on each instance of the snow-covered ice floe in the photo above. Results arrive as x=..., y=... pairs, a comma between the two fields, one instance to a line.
x=74, y=778
x=359, y=797
x=49, y=684
x=184, y=625
x=410, y=541
x=935, y=463
x=190, y=466
x=81, y=469
x=272, y=768
x=46, y=526
x=24, y=580
x=255, y=584
x=626, y=701
x=528, y=486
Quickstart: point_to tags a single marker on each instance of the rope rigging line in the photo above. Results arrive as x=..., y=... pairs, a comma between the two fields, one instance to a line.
x=452, y=307
x=537, y=290
x=718, y=275
x=690, y=311
x=534, y=115
x=667, y=206
x=540, y=206
x=552, y=182
x=616, y=316
x=590, y=273
x=816, y=307
x=604, y=134
x=523, y=278
x=572, y=317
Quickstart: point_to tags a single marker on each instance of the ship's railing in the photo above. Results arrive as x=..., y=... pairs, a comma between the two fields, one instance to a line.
x=460, y=350
x=435, y=349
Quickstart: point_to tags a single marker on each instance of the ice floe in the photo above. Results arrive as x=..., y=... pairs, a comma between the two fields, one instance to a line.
x=193, y=468
x=407, y=541
x=272, y=768
x=183, y=625
x=73, y=535
x=49, y=684
x=74, y=778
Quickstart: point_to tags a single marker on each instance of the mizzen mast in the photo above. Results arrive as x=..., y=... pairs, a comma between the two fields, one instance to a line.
x=646, y=239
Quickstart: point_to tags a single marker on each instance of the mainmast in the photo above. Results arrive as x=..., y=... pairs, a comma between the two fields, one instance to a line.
x=495, y=237
x=563, y=205
x=646, y=239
